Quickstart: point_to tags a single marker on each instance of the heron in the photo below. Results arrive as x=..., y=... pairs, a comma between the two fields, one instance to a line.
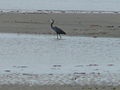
x=58, y=30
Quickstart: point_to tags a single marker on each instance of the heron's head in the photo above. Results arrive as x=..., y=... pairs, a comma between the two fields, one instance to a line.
x=51, y=20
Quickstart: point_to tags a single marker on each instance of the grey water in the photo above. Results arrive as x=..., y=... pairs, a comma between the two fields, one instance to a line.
x=104, y=5
x=46, y=49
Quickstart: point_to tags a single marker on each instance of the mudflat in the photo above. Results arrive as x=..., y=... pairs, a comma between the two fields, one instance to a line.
x=57, y=87
x=81, y=24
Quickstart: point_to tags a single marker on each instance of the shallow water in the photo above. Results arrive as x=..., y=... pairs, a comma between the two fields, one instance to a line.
x=46, y=49
x=37, y=51
x=43, y=60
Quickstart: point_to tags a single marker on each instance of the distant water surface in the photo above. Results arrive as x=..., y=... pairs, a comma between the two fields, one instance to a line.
x=106, y=5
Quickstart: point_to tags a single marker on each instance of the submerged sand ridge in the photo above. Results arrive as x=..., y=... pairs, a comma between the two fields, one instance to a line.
x=89, y=24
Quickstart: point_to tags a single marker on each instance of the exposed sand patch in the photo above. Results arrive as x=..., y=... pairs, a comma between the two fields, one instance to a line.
x=106, y=25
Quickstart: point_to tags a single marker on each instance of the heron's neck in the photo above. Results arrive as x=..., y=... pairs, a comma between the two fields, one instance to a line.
x=52, y=24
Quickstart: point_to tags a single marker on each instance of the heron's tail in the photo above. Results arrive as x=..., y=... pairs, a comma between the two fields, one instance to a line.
x=63, y=32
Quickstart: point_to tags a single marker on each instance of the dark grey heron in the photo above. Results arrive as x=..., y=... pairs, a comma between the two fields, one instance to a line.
x=56, y=29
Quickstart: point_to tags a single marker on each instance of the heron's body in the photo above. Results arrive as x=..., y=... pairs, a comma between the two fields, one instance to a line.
x=56, y=29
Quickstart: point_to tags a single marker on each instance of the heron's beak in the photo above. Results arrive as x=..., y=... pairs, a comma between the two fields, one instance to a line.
x=51, y=20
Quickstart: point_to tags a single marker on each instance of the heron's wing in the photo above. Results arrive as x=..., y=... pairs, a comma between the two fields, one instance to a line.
x=59, y=30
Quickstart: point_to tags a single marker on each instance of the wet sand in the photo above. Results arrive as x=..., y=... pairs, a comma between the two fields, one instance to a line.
x=57, y=87
x=95, y=25
x=81, y=24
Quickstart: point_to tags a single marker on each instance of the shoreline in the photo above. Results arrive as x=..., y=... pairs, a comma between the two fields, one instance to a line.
x=58, y=11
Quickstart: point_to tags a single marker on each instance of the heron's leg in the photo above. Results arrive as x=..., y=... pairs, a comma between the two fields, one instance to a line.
x=57, y=36
x=60, y=36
